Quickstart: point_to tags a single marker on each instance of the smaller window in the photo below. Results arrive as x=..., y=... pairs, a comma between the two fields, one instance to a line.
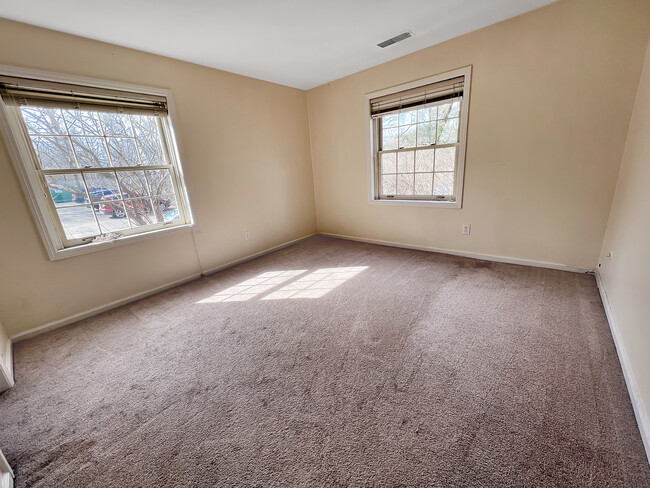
x=98, y=164
x=419, y=134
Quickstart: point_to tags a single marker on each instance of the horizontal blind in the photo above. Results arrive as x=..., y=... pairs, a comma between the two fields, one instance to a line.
x=434, y=92
x=37, y=93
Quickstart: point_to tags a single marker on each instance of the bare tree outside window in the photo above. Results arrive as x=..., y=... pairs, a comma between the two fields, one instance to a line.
x=106, y=172
x=418, y=149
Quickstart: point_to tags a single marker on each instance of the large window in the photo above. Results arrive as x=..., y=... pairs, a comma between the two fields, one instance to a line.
x=419, y=132
x=99, y=165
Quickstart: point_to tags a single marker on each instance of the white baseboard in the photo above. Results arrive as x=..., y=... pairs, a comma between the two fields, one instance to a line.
x=466, y=254
x=640, y=412
x=256, y=255
x=6, y=473
x=55, y=324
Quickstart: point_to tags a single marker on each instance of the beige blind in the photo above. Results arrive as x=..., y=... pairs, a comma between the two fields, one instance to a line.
x=422, y=95
x=37, y=93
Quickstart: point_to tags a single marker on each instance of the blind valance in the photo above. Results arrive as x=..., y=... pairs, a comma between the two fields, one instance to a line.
x=37, y=93
x=422, y=95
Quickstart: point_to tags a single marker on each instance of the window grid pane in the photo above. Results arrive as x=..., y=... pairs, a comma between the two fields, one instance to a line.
x=92, y=202
x=418, y=172
x=410, y=161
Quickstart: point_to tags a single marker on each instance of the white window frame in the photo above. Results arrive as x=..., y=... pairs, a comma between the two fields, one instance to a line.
x=22, y=156
x=373, y=190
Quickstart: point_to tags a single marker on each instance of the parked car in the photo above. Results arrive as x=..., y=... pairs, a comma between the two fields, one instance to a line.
x=95, y=193
x=171, y=214
x=102, y=192
x=108, y=209
x=61, y=196
x=118, y=211
x=164, y=203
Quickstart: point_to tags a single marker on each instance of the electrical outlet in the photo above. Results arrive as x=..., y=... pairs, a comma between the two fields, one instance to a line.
x=466, y=229
x=247, y=236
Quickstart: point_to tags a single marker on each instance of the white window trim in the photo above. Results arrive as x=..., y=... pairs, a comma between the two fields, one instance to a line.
x=464, y=113
x=17, y=145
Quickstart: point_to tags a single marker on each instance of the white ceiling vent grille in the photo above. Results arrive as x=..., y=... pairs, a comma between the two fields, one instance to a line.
x=393, y=40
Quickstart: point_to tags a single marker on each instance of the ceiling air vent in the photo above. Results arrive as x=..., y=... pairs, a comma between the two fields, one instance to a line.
x=393, y=40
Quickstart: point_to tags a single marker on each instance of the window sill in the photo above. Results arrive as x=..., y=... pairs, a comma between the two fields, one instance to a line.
x=69, y=252
x=415, y=203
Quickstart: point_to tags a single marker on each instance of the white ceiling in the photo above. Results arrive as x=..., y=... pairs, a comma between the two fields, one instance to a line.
x=299, y=43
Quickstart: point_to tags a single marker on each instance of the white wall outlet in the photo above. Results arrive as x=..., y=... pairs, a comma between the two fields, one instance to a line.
x=247, y=236
x=466, y=229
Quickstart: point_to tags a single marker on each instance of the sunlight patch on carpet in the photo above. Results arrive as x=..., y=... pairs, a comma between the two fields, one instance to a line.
x=316, y=284
x=253, y=287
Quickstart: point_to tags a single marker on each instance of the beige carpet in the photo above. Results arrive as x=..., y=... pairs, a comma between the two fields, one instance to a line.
x=331, y=364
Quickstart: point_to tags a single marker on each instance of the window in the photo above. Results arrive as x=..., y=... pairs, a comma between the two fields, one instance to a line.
x=99, y=165
x=419, y=133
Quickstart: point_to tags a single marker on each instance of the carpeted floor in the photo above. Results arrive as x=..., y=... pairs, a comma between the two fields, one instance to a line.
x=396, y=369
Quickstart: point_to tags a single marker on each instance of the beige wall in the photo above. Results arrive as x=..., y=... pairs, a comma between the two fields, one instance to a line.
x=245, y=152
x=552, y=93
x=626, y=276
